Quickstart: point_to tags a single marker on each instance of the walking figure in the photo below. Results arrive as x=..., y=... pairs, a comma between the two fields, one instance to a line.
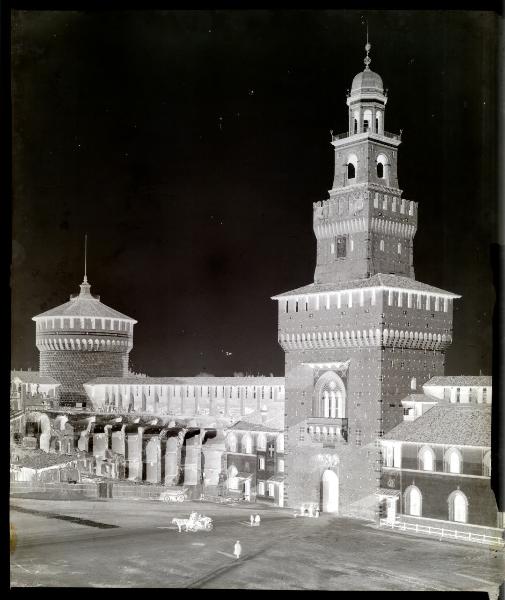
x=252, y=520
x=257, y=520
x=237, y=549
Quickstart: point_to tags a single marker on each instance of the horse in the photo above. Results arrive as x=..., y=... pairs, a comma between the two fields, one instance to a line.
x=184, y=522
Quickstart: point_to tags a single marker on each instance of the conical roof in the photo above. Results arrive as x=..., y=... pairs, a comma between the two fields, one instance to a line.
x=84, y=305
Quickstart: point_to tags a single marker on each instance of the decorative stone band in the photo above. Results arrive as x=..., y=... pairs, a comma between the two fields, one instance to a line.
x=84, y=343
x=387, y=226
x=400, y=297
x=325, y=229
x=76, y=323
x=363, y=338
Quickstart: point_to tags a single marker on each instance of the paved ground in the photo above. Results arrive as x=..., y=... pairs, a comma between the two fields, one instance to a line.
x=123, y=543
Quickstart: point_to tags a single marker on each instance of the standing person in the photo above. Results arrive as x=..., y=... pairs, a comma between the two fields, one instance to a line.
x=237, y=550
x=252, y=520
x=257, y=520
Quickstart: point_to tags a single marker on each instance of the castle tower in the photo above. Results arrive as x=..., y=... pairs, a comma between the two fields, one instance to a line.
x=365, y=333
x=80, y=340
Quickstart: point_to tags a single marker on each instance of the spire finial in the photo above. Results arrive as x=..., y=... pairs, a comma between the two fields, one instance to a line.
x=85, y=256
x=368, y=47
x=85, y=286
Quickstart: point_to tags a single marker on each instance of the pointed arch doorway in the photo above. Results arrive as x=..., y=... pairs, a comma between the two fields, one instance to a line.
x=329, y=492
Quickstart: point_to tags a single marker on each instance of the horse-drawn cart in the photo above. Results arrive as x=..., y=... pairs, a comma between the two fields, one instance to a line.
x=195, y=522
x=173, y=495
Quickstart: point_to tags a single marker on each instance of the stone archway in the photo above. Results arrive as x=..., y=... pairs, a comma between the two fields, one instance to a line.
x=329, y=484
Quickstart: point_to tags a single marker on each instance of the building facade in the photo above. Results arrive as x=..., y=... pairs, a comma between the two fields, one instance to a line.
x=437, y=469
x=362, y=335
x=255, y=460
x=222, y=397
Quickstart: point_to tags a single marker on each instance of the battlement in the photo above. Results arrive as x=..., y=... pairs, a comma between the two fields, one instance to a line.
x=343, y=203
x=83, y=325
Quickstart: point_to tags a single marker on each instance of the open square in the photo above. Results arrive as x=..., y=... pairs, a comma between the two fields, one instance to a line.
x=142, y=548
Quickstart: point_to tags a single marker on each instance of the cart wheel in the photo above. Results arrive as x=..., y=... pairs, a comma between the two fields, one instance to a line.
x=180, y=499
x=165, y=499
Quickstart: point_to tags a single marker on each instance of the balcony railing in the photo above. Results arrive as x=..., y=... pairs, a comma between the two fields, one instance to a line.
x=327, y=429
x=386, y=134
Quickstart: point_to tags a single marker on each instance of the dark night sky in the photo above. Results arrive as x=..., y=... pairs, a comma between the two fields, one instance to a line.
x=190, y=147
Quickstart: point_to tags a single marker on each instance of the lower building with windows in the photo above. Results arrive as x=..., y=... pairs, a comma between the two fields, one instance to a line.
x=436, y=473
x=255, y=458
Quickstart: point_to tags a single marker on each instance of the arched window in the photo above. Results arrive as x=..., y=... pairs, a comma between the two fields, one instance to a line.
x=382, y=167
x=232, y=442
x=329, y=397
x=426, y=459
x=378, y=123
x=262, y=442
x=486, y=464
x=458, y=507
x=246, y=444
x=367, y=120
x=352, y=166
x=453, y=460
x=399, y=248
x=381, y=245
x=280, y=443
x=355, y=126
x=413, y=501
x=232, y=478
x=413, y=383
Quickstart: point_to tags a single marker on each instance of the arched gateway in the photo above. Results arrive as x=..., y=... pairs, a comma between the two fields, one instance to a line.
x=330, y=491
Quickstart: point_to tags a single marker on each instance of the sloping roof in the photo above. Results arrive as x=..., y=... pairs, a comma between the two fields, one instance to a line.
x=247, y=426
x=38, y=459
x=83, y=305
x=461, y=380
x=452, y=424
x=274, y=418
x=385, y=280
x=420, y=398
x=187, y=381
x=32, y=377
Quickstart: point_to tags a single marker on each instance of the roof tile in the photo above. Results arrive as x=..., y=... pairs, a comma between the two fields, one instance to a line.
x=452, y=424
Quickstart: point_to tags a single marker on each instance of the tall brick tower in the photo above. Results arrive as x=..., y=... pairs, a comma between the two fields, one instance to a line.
x=80, y=340
x=365, y=333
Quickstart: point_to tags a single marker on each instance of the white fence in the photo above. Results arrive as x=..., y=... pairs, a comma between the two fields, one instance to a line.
x=442, y=532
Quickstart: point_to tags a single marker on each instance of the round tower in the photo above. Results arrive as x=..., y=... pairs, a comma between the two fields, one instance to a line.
x=80, y=340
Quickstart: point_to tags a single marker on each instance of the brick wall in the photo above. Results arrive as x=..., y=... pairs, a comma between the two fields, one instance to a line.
x=72, y=368
x=436, y=488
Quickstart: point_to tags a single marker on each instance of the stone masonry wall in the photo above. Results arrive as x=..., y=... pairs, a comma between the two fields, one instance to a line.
x=73, y=368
